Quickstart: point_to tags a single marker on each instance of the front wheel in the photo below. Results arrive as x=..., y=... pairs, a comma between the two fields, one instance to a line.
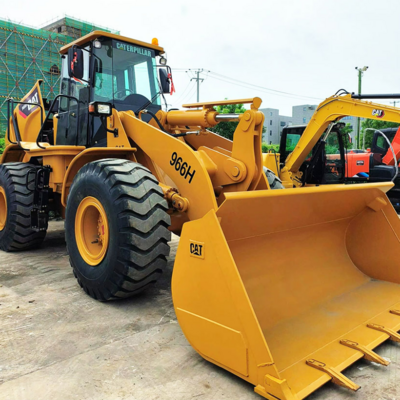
x=116, y=228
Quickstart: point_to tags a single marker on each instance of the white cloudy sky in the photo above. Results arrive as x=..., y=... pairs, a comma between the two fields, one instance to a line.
x=307, y=48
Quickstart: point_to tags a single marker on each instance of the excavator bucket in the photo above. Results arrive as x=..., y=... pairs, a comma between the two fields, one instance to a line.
x=287, y=288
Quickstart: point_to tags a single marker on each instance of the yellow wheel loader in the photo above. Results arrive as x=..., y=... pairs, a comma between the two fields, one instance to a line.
x=275, y=286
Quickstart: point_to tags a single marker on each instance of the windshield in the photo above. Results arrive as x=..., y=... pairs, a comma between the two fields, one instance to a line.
x=125, y=74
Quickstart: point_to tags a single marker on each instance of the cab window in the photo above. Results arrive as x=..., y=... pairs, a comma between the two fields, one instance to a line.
x=125, y=74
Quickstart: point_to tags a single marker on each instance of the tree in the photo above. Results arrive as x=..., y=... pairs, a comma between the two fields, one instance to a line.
x=346, y=136
x=226, y=129
x=2, y=145
x=3, y=128
x=374, y=124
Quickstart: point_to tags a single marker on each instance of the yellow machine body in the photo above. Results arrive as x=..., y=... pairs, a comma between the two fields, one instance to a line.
x=284, y=288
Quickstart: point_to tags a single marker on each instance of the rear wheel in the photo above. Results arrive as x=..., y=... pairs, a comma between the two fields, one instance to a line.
x=16, y=201
x=116, y=228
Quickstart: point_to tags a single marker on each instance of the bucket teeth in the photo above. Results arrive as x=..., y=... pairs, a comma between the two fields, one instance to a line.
x=368, y=354
x=395, y=312
x=392, y=334
x=337, y=377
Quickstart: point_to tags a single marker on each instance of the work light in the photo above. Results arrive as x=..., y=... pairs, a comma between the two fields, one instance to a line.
x=100, y=109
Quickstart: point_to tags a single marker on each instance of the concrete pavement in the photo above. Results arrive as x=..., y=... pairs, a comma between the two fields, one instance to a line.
x=57, y=343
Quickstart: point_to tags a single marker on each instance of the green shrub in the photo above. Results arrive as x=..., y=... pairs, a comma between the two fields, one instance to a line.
x=266, y=147
x=331, y=149
x=2, y=145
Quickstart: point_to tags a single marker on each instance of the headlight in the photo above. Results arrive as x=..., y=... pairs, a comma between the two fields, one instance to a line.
x=104, y=109
x=100, y=109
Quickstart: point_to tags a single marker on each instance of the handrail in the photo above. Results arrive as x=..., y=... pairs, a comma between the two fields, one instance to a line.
x=40, y=134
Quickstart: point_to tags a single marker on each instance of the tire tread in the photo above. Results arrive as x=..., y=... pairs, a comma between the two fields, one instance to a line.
x=143, y=223
x=20, y=202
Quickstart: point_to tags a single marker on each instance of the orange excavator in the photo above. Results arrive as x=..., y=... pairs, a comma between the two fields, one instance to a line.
x=377, y=164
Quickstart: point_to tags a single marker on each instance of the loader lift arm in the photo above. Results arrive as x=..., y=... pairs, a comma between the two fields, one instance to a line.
x=201, y=167
x=331, y=110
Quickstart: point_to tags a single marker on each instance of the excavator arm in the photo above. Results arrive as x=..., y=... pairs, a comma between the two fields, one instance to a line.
x=331, y=110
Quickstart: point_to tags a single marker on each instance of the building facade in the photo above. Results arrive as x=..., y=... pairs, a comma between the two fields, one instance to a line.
x=274, y=123
x=302, y=114
x=28, y=54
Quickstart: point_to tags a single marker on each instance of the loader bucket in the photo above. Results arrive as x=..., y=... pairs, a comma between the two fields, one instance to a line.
x=287, y=288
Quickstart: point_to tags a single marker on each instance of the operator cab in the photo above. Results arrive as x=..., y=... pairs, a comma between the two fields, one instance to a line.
x=329, y=162
x=112, y=71
x=326, y=162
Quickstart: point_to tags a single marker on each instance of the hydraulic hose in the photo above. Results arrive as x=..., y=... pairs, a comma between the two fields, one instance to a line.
x=155, y=119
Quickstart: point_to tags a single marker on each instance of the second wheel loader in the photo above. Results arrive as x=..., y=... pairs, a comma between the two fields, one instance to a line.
x=275, y=286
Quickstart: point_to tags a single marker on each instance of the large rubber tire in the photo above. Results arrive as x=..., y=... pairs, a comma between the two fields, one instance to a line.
x=273, y=180
x=17, y=233
x=138, y=222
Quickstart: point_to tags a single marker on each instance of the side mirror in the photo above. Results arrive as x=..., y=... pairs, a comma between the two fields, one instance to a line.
x=75, y=62
x=165, y=81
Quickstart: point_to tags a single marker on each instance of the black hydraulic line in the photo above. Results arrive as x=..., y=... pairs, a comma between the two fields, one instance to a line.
x=178, y=134
x=376, y=96
x=340, y=92
x=156, y=119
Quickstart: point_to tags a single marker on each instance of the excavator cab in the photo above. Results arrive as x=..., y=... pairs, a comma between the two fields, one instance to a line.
x=330, y=162
x=326, y=163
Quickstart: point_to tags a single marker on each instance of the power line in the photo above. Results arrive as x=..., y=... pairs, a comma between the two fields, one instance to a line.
x=247, y=85
x=262, y=87
x=189, y=94
x=293, y=96
x=189, y=86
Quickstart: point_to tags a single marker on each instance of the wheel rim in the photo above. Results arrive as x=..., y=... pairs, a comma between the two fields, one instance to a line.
x=3, y=209
x=91, y=230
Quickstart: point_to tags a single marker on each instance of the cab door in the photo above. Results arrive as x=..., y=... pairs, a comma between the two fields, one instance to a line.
x=73, y=111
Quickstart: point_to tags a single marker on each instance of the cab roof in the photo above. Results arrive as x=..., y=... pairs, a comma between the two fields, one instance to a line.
x=96, y=34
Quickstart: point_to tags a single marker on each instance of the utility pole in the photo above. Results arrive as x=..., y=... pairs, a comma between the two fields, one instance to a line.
x=360, y=74
x=394, y=103
x=198, y=79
